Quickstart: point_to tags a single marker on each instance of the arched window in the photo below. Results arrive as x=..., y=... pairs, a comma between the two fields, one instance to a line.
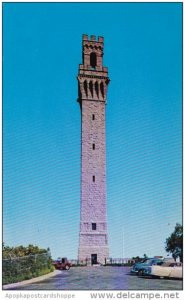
x=85, y=87
x=93, y=60
x=91, y=88
x=97, y=89
x=102, y=89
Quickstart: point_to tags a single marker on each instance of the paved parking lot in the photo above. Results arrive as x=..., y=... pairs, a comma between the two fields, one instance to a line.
x=102, y=278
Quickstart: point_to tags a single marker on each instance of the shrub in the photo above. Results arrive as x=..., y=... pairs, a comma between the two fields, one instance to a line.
x=19, y=268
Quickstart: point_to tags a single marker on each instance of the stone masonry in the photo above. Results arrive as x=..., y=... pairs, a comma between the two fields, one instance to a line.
x=92, y=87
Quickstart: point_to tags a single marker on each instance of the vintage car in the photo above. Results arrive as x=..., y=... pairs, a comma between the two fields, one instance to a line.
x=62, y=264
x=140, y=267
x=168, y=269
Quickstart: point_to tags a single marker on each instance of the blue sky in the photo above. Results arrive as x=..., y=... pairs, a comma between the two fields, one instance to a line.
x=41, y=123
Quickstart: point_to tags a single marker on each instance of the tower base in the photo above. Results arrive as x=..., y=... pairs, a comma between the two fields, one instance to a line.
x=93, y=255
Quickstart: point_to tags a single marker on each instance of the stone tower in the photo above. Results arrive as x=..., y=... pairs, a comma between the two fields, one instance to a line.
x=92, y=88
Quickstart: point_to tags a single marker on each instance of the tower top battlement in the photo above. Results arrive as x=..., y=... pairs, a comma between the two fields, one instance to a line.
x=92, y=76
x=92, y=54
x=93, y=38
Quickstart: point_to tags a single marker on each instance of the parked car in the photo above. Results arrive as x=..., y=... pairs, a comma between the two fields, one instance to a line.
x=62, y=264
x=168, y=269
x=139, y=267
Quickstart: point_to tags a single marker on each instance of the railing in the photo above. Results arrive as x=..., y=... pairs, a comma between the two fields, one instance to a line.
x=109, y=261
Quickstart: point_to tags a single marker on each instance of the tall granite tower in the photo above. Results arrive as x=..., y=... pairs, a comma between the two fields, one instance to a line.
x=92, y=88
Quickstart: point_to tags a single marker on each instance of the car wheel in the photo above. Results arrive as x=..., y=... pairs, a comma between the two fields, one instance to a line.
x=140, y=273
x=67, y=267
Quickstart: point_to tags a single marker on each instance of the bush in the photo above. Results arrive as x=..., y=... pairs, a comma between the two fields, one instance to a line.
x=25, y=267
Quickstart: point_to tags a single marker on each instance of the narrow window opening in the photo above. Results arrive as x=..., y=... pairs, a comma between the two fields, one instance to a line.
x=93, y=146
x=93, y=226
x=93, y=60
x=102, y=89
x=91, y=88
x=93, y=117
x=85, y=87
x=97, y=88
x=93, y=178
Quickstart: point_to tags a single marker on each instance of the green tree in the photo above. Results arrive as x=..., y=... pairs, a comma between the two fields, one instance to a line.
x=20, y=251
x=174, y=243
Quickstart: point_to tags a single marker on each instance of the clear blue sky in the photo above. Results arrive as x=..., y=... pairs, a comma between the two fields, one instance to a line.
x=41, y=123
